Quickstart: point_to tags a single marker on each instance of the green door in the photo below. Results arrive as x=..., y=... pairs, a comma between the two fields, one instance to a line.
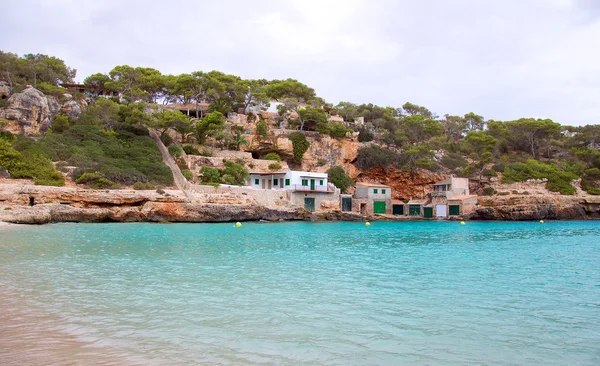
x=398, y=209
x=309, y=204
x=347, y=204
x=379, y=207
x=312, y=184
x=427, y=212
x=454, y=210
x=414, y=210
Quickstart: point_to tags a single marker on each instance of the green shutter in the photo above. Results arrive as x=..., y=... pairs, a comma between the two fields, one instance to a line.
x=321, y=182
x=256, y=181
x=454, y=210
x=398, y=209
x=275, y=181
x=414, y=210
x=383, y=191
x=375, y=191
x=379, y=207
x=287, y=182
x=427, y=212
x=309, y=204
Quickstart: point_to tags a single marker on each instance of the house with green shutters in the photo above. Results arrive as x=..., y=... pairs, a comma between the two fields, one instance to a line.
x=451, y=197
x=304, y=189
x=372, y=198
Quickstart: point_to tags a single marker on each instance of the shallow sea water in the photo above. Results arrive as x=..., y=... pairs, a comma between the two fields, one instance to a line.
x=414, y=293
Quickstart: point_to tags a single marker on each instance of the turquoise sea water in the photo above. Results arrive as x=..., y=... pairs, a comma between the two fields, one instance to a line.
x=423, y=293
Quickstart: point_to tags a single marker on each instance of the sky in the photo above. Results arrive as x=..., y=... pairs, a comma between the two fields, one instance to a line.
x=501, y=59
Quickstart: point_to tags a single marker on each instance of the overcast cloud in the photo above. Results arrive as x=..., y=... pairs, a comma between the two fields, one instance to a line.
x=501, y=59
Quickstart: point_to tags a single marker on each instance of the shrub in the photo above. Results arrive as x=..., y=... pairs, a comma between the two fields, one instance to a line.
x=262, y=129
x=559, y=179
x=503, y=193
x=23, y=159
x=274, y=166
x=489, y=173
x=210, y=175
x=94, y=180
x=489, y=191
x=335, y=129
x=453, y=161
x=272, y=156
x=299, y=145
x=338, y=177
x=166, y=139
x=468, y=171
x=60, y=123
x=143, y=186
x=236, y=174
x=321, y=162
x=190, y=150
x=364, y=134
x=160, y=191
x=187, y=174
x=375, y=156
x=499, y=167
x=174, y=150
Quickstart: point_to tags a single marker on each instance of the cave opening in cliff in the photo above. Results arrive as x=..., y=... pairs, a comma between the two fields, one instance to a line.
x=31, y=201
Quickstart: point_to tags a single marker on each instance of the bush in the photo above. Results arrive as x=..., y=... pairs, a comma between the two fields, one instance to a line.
x=489, y=173
x=187, y=174
x=338, y=177
x=274, y=166
x=190, y=150
x=335, y=129
x=364, y=134
x=272, y=156
x=94, y=180
x=23, y=159
x=489, y=191
x=143, y=186
x=60, y=123
x=299, y=145
x=160, y=191
x=174, y=150
x=210, y=175
x=503, y=193
x=559, y=178
x=321, y=162
x=262, y=129
x=453, y=161
x=499, y=167
x=468, y=171
x=166, y=139
x=235, y=174
x=375, y=156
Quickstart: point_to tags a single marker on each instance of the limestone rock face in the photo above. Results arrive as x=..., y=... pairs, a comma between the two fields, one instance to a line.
x=30, y=111
x=4, y=89
x=73, y=109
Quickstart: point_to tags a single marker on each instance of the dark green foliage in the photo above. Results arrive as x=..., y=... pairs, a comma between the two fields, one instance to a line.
x=174, y=150
x=364, y=134
x=335, y=129
x=187, y=174
x=272, y=156
x=337, y=175
x=299, y=144
x=209, y=175
x=235, y=174
x=60, y=123
x=274, y=166
x=95, y=180
x=489, y=173
x=559, y=179
x=190, y=150
x=23, y=159
x=123, y=157
x=143, y=186
x=375, y=156
x=262, y=129
x=489, y=191
x=499, y=167
x=321, y=162
x=453, y=161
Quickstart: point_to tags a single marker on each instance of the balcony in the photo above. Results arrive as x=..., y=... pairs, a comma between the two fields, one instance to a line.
x=301, y=188
x=439, y=193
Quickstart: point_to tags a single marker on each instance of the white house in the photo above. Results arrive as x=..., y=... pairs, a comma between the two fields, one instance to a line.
x=305, y=189
x=451, y=197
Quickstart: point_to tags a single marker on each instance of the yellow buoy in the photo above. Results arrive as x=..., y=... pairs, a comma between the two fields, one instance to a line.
x=462, y=222
x=238, y=224
x=541, y=221
x=367, y=223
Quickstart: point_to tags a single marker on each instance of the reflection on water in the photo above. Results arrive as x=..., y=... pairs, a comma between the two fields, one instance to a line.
x=301, y=293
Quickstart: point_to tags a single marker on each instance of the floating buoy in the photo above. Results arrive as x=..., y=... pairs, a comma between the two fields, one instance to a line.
x=541, y=221
x=367, y=223
x=462, y=222
x=238, y=224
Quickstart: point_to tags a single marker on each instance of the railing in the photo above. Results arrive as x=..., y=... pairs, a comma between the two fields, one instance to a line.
x=438, y=194
x=302, y=188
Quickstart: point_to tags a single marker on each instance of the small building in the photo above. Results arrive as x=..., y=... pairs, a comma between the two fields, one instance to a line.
x=90, y=91
x=304, y=189
x=415, y=207
x=371, y=198
x=398, y=207
x=451, y=197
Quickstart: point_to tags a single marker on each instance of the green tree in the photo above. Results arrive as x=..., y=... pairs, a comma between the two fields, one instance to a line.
x=292, y=94
x=454, y=126
x=299, y=145
x=337, y=175
x=419, y=129
x=167, y=119
x=210, y=126
x=474, y=122
x=526, y=133
x=416, y=156
x=413, y=109
x=43, y=68
x=60, y=123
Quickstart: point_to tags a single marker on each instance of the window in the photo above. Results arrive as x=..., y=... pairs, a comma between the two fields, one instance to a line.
x=382, y=191
x=321, y=182
x=287, y=182
x=256, y=181
x=375, y=190
x=275, y=182
x=304, y=182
